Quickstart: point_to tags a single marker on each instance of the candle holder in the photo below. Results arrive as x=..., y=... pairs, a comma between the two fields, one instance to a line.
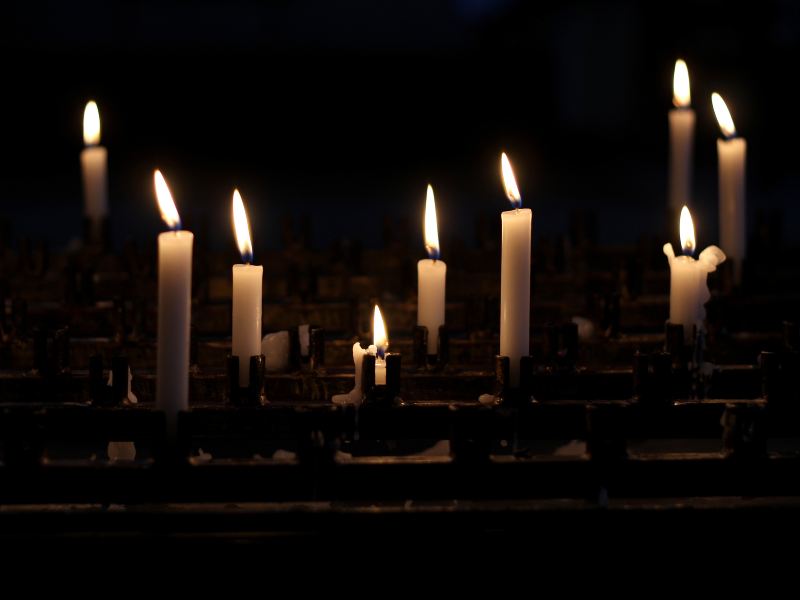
x=253, y=394
x=381, y=395
x=420, y=356
x=100, y=393
x=316, y=348
x=507, y=395
x=51, y=353
x=744, y=433
x=561, y=345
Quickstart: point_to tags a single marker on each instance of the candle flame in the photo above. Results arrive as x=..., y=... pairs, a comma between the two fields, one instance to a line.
x=431, y=228
x=681, y=93
x=687, y=232
x=723, y=115
x=242, y=228
x=379, y=336
x=165, y=202
x=91, y=124
x=510, y=182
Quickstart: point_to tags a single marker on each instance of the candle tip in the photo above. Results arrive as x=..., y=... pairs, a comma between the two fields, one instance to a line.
x=510, y=182
x=431, y=226
x=169, y=213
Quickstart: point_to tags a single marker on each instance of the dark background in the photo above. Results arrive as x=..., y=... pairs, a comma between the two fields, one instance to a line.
x=344, y=111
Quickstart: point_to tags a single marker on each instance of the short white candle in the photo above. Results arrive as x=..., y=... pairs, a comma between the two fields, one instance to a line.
x=688, y=291
x=355, y=396
x=732, y=154
x=174, y=309
x=515, y=276
x=247, y=278
x=431, y=275
x=94, y=171
x=381, y=342
x=681, y=139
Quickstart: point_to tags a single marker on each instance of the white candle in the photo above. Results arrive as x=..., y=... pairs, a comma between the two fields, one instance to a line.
x=681, y=139
x=94, y=170
x=247, y=278
x=174, y=309
x=380, y=341
x=688, y=291
x=355, y=396
x=732, y=154
x=431, y=274
x=515, y=276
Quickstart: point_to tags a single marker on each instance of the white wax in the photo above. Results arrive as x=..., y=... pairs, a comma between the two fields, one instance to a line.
x=174, y=317
x=355, y=396
x=681, y=149
x=431, y=275
x=688, y=290
x=380, y=371
x=275, y=348
x=246, y=318
x=515, y=288
x=732, y=203
x=94, y=171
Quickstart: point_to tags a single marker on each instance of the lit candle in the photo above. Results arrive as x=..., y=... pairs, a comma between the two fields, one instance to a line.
x=681, y=139
x=732, y=153
x=174, y=308
x=431, y=274
x=380, y=343
x=515, y=276
x=246, y=318
x=94, y=171
x=688, y=290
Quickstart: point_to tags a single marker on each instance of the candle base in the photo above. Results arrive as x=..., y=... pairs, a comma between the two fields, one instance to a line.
x=308, y=352
x=381, y=395
x=253, y=394
x=420, y=357
x=513, y=396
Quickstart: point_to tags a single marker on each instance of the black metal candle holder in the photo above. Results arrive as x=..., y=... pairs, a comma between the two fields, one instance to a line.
x=100, y=393
x=316, y=348
x=383, y=395
x=504, y=392
x=253, y=394
x=561, y=345
x=420, y=356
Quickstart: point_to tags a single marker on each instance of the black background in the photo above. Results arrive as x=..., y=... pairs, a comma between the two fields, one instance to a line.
x=344, y=111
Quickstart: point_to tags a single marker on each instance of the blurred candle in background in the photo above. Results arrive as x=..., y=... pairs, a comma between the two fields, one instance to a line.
x=732, y=155
x=515, y=275
x=174, y=308
x=681, y=139
x=431, y=275
x=247, y=278
x=94, y=172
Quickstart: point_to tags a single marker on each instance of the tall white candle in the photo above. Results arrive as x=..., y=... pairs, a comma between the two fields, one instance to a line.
x=94, y=170
x=688, y=291
x=515, y=276
x=174, y=308
x=381, y=342
x=681, y=139
x=431, y=275
x=247, y=278
x=732, y=155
